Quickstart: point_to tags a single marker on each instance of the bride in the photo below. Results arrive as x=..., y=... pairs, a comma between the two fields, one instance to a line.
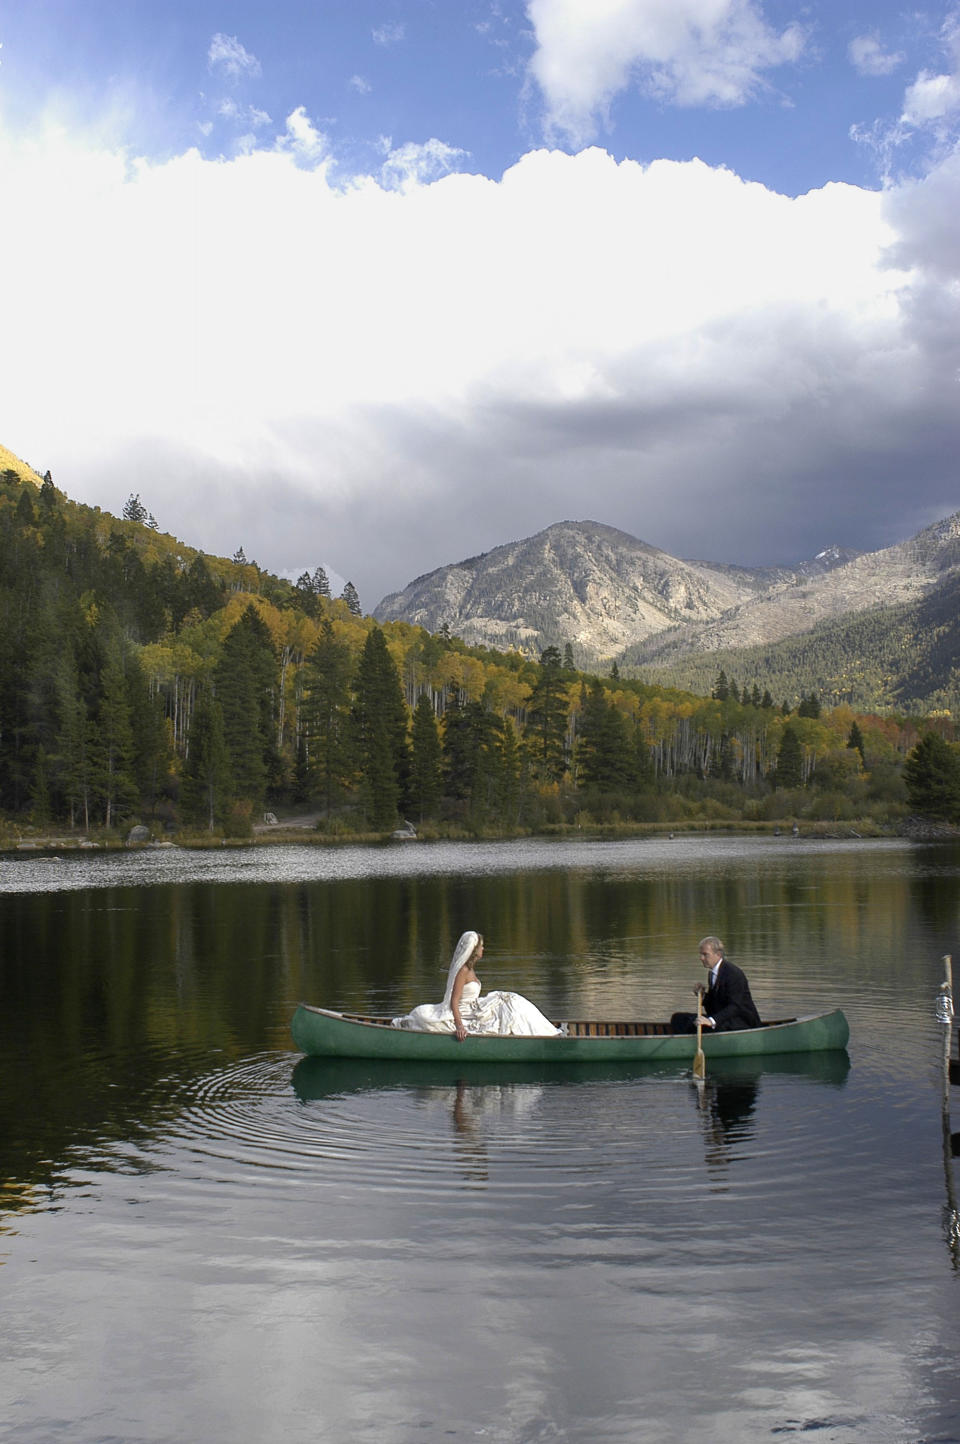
x=463, y=1011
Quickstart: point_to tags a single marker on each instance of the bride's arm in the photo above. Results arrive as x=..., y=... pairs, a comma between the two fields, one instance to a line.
x=458, y=983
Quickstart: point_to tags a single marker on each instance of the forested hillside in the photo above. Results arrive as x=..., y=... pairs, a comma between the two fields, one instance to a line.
x=141, y=681
x=903, y=657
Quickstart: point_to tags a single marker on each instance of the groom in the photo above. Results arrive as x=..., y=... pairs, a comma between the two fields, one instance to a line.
x=727, y=1003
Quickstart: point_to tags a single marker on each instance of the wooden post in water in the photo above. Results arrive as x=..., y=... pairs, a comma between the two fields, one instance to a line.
x=945, y=1014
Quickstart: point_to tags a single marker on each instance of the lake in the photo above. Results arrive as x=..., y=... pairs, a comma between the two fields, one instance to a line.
x=205, y=1237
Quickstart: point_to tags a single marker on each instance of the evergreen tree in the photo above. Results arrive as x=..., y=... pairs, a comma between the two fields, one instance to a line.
x=151, y=742
x=48, y=494
x=134, y=509
x=932, y=775
x=607, y=760
x=547, y=718
x=721, y=687
x=201, y=592
x=321, y=584
x=245, y=683
x=325, y=716
x=349, y=595
x=855, y=740
x=568, y=658
x=306, y=596
x=40, y=808
x=26, y=515
x=475, y=749
x=380, y=732
x=73, y=761
x=206, y=782
x=113, y=746
x=425, y=781
x=789, y=759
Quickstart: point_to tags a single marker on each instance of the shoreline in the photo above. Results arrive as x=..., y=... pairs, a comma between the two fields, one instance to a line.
x=290, y=833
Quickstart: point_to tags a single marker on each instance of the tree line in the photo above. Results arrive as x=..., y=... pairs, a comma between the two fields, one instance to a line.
x=141, y=680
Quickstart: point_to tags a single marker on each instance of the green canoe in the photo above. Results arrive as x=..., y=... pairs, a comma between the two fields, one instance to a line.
x=322, y=1033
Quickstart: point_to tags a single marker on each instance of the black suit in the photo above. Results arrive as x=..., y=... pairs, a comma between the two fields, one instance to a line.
x=727, y=1002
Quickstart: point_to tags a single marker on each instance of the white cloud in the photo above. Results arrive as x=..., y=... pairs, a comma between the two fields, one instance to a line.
x=685, y=52
x=935, y=98
x=228, y=57
x=412, y=164
x=389, y=34
x=931, y=98
x=868, y=57
x=393, y=373
x=360, y=84
x=302, y=139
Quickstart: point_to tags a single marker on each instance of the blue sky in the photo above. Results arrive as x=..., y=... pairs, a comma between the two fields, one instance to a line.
x=384, y=285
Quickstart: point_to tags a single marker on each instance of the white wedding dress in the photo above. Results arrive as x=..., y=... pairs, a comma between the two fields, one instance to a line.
x=503, y=1014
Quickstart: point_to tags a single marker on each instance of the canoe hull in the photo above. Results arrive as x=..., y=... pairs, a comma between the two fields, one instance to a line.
x=321, y=1033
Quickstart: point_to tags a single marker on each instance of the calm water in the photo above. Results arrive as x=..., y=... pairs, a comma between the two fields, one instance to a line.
x=205, y=1237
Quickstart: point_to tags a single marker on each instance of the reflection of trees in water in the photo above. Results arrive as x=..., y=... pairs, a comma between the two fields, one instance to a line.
x=933, y=888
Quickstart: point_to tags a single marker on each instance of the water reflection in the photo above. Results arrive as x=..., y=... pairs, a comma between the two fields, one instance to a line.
x=317, y=1078
x=485, y=1102
x=310, y=1248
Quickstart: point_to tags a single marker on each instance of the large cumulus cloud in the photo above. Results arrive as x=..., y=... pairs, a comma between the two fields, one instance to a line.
x=389, y=374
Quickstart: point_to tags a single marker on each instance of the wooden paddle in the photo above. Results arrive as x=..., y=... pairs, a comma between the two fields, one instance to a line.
x=699, y=1061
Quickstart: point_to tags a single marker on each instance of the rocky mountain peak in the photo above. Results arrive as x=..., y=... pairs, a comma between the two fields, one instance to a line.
x=608, y=593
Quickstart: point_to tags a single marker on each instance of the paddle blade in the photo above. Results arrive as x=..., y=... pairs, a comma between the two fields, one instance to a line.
x=699, y=1064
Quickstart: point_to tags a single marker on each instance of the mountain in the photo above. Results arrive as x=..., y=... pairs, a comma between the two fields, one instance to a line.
x=597, y=588
x=878, y=629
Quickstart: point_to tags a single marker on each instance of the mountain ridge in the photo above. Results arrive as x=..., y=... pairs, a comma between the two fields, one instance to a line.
x=598, y=588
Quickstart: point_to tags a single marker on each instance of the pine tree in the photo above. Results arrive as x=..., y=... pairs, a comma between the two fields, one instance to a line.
x=425, y=782
x=321, y=585
x=475, y=760
x=932, y=775
x=73, y=761
x=380, y=732
x=151, y=741
x=789, y=759
x=721, y=687
x=134, y=509
x=206, y=783
x=113, y=750
x=306, y=596
x=547, y=718
x=349, y=595
x=855, y=740
x=245, y=683
x=325, y=716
